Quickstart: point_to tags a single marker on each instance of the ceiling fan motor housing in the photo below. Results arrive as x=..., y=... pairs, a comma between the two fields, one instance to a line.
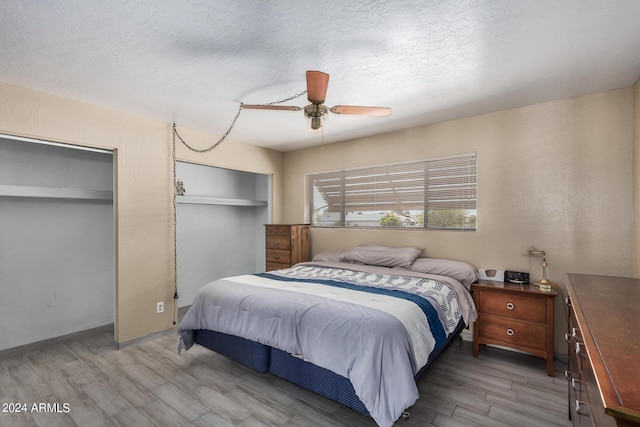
x=315, y=112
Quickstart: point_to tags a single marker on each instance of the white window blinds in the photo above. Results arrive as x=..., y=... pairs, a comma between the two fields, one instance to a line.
x=436, y=193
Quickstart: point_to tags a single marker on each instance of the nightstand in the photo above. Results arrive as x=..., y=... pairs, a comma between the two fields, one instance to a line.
x=515, y=316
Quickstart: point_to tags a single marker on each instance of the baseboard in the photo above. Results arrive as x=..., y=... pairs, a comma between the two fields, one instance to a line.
x=123, y=344
x=82, y=334
x=57, y=340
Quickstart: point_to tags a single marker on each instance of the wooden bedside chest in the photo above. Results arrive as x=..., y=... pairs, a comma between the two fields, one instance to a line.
x=515, y=316
x=287, y=244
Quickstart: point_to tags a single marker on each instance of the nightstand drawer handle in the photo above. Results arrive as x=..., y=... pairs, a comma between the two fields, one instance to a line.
x=510, y=332
x=510, y=306
x=277, y=242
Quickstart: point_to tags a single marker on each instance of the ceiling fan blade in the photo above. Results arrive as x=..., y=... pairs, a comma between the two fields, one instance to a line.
x=317, y=83
x=361, y=111
x=270, y=107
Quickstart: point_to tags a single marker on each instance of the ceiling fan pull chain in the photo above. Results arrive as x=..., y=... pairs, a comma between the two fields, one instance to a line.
x=204, y=150
x=280, y=101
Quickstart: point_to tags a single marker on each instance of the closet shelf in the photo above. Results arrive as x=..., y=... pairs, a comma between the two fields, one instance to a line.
x=205, y=200
x=54, y=193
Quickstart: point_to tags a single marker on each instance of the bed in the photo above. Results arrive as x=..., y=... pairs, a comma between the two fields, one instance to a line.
x=359, y=327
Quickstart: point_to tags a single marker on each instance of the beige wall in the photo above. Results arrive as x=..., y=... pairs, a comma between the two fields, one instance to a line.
x=557, y=176
x=144, y=214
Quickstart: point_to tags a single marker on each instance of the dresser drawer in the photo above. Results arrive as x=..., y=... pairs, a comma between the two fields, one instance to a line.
x=276, y=266
x=278, y=230
x=278, y=242
x=511, y=332
x=279, y=256
x=512, y=305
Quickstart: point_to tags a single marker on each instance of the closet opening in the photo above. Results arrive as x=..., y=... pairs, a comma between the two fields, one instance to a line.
x=57, y=240
x=219, y=225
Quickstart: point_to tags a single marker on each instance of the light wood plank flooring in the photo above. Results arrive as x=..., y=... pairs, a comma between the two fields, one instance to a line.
x=149, y=384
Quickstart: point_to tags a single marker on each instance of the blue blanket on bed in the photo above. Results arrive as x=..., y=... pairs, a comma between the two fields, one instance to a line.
x=427, y=307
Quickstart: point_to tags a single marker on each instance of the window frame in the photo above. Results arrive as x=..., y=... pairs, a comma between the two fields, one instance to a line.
x=453, y=188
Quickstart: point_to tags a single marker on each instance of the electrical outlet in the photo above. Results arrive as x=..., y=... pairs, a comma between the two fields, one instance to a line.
x=160, y=307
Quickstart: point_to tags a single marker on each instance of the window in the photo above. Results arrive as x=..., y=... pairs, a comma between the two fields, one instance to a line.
x=434, y=194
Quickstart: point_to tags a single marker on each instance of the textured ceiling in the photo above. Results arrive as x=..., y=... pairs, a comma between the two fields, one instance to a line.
x=193, y=61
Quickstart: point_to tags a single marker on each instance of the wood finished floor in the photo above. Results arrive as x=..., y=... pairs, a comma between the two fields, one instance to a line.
x=149, y=384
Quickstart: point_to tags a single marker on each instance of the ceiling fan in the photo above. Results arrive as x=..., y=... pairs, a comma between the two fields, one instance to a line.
x=317, y=83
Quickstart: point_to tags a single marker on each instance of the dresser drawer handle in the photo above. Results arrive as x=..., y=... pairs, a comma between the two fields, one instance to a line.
x=510, y=332
x=573, y=336
x=277, y=242
x=575, y=384
x=510, y=306
x=579, y=406
x=578, y=350
x=277, y=256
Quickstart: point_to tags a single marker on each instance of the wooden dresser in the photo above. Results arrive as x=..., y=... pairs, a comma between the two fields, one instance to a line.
x=516, y=316
x=287, y=244
x=604, y=350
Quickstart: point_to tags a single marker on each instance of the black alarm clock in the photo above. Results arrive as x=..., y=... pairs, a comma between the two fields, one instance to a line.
x=516, y=277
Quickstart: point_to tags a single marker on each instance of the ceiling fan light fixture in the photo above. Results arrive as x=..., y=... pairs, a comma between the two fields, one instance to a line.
x=315, y=113
x=315, y=123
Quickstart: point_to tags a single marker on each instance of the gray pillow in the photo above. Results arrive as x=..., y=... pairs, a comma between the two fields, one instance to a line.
x=328, y=256
x=382, y=256
x=462, y=271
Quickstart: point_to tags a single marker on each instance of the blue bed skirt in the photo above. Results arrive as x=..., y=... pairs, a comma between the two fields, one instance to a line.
x=319, y=380
x=316, y=379
x=248, y=353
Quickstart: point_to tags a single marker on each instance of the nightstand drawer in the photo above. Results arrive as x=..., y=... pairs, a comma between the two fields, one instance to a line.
x=512, y=332
x=278, y=256
x=515, y=306
x=278, y=242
